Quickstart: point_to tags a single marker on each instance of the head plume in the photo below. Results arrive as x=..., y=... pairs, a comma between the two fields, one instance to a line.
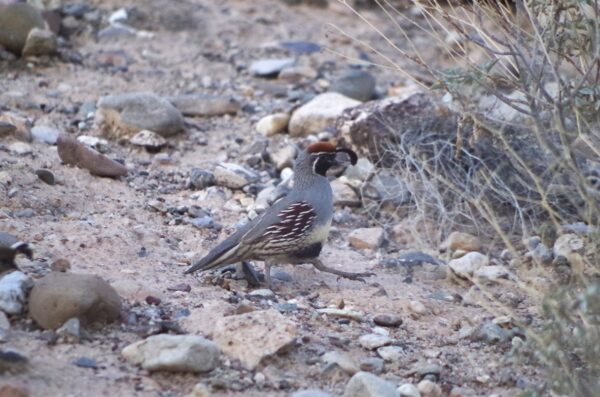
x=321, y=147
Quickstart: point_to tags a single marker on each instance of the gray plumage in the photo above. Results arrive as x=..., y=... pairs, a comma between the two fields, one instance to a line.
x=294, y=229
x=10, y=246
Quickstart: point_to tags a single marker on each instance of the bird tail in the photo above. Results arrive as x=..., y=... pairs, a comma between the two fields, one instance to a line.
x=23, y=248
x=215, y=258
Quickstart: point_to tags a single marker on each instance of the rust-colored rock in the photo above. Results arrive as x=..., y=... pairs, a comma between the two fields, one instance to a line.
x=75, y=153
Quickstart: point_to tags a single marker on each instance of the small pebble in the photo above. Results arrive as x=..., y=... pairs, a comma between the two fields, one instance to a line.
x=60, y=265
x=429, y=389
x=153, y=300
x=180, y=287
x=372, y=364
x=45, y=176
x=409, y=390
x=86, y=362
x=417, y=308
x=388, y=320
x=391, y=353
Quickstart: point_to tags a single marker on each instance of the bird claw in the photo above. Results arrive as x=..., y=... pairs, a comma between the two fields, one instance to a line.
x=357, y=276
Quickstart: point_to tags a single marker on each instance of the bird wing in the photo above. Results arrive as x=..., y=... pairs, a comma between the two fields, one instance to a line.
x=287, y=222
x=283, y=222
x=225, y=252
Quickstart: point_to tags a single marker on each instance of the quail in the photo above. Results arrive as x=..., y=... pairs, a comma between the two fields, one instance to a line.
x=10, y=246
x=294, y=229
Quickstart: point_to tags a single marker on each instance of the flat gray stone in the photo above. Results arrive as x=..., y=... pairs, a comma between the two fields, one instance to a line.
x=270, y=67
x=174, y=353
x=126, y=114
x=364, y=384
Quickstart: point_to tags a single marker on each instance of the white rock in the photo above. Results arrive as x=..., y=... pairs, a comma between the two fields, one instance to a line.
x=263, y=293
x=264, y=198
x=311, y=393
x=199, y=390
x=344, y=195
x=294, y=74
x=428, y=388
x=174, y=353
x=391, y=353
x=45, y=134
x=344, y=313
x=92, y=141
x=366, y=238
x=234, y=176
x=4, y=321
x=269, y=67
x=20, y=148
x=409, y=390
x=250, y=337
x=284, y=157
x=373, y=341
x=492, y=273
x=202, y=320
x=273, y=124
x=149, y=139
x=39, y=42
x=13, y=292
x=286, y=174
x=361, y=171
x=417, y=307
x=345, y=362
x=5, y=178
x=364, y=384
x=566, y=244
x=135, y=291
x=319, y=113
x=118, y=16
x=123, y=115
x=460, y=241
x=466, y=265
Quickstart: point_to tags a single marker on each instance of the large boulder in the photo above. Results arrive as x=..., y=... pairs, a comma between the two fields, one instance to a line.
x=318, y=114
x=364, y=384
x=355, y=84
x=204, y=105
x=124, y=115
x=250, y=337
x=40, y=42
x=58, y=297
x=13, y=292
x=174, y=353
x=374, y=125
x=16, y=21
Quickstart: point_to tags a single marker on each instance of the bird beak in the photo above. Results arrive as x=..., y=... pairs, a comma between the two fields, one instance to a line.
x=344, y=156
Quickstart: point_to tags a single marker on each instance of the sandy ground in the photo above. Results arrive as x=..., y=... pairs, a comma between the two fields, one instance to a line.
x=100, y=225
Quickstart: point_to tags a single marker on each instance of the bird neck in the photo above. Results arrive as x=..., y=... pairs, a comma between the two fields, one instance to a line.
x=303, y=181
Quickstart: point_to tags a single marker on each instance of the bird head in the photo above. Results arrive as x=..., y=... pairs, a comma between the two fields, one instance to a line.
x=322, y=156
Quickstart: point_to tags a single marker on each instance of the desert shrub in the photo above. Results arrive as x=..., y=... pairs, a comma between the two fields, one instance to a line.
x=521, y=84
x=524, y=83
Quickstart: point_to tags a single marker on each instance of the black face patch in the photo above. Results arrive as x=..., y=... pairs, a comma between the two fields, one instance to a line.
x=323, y=162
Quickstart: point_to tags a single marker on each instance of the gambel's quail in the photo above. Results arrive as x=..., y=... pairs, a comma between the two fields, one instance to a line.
x=10, y=246
x=294, y=229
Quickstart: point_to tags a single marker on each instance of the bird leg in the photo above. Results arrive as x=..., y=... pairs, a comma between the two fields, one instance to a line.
x=250, y=274
x=268, y=265
x=316, y=262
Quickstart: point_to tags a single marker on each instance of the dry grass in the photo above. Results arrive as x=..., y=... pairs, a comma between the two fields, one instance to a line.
x=527, y=164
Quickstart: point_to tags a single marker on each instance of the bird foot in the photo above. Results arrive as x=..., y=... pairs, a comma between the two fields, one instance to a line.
x=356, y=276
x=351, y=276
